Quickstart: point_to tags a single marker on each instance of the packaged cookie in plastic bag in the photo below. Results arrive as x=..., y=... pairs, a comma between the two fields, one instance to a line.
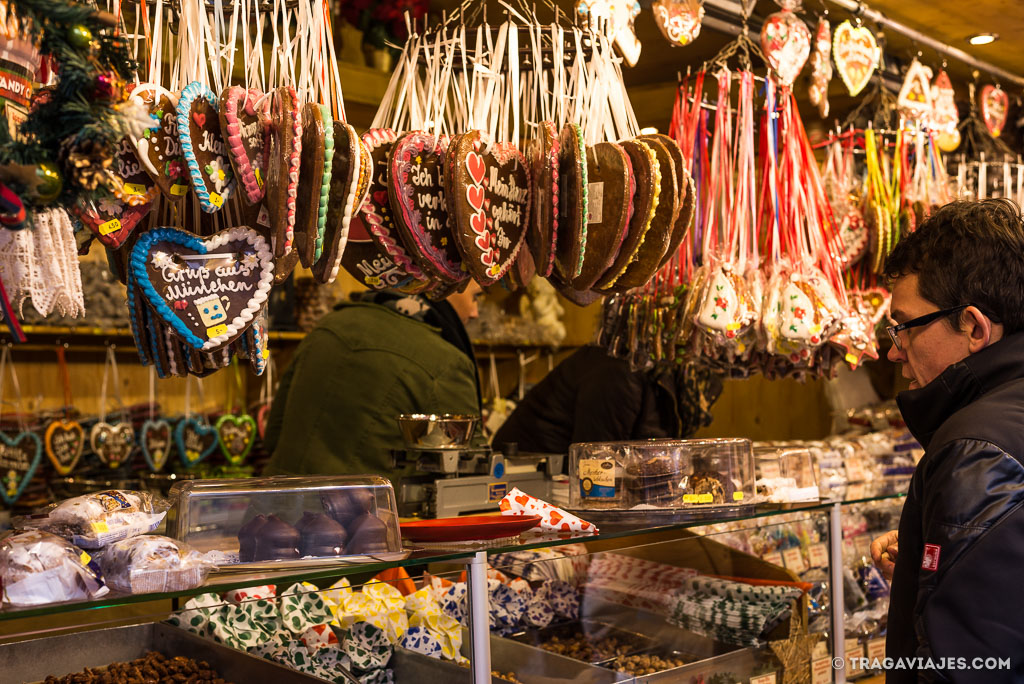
x=151, y=563
x=37, y=567
x=93, y=521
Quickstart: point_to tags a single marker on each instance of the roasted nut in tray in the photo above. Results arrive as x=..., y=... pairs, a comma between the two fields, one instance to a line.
x=645, y=664
x=154, y=667
x=578, y=646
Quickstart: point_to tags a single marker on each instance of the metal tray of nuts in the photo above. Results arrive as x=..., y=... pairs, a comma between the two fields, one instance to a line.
x=36, y=659
x=590, y=641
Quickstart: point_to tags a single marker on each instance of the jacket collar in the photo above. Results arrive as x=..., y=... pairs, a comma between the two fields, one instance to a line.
x=925, y=409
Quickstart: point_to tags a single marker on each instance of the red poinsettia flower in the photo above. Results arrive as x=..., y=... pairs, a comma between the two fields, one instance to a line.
x=799, y=313
x=721, y=302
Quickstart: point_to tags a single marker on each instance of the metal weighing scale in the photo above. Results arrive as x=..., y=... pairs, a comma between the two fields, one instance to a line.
x=455, y=481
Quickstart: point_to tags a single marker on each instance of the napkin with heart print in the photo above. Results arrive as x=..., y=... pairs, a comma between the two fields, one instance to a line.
x=553, y=518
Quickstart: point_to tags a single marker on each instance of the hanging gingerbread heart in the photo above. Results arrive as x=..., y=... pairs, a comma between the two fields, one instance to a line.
x=945, y=116
x=856, y=55
x=203, y=147
x=236, y=435
x=821, y=67
x=679, y=20
x=159, y=148
x=416, y=193
x=206, y=289
x=261, y=420
x=786, y=42
x=573, y=211
x=314, y=182
x=285, y=160
x=19, y=458
x=493, y=205
x=194, y=441
x=245, y=124
x=64, y=441
x=995, y=106
x=914, y=101
x=155, y=443
x=542, y=232
x=609, y=201
x=615, y=20
x=112, y=442
x=350, y=180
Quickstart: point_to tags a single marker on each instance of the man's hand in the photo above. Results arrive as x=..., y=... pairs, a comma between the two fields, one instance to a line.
x=884, y=551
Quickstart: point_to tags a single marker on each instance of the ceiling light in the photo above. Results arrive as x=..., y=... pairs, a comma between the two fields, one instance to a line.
x=983, y=38
x=650, y=130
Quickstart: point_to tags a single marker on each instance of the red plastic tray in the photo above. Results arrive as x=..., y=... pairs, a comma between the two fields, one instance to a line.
x=468, y=527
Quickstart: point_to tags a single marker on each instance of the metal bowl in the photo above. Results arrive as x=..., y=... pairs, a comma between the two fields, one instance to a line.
x=436, y=431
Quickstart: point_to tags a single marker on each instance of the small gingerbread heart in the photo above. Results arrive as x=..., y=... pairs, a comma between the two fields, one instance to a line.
x=203, y=147
x=64, y=441
x=159, y=148
x=245, y=123
x=112, y=442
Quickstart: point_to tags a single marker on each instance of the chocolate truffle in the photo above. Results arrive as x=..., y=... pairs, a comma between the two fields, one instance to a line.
x=368, y=534
x=345, y=505
x=321, y=535
x=247, y=538
x=276, y=539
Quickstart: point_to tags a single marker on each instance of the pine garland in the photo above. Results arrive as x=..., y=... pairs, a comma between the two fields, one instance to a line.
x=71, y=114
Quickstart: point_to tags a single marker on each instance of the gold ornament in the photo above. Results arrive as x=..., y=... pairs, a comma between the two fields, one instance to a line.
x=795, y=652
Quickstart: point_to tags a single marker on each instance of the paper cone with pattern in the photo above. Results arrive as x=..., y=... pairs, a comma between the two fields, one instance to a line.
x=786, y=42
x=194, y=441
x=314, y=181
x=204, y=150
x=647, y=171
x=914, y=101
x=64, y=441
x=376, y=213
x=609, y=200
x=492, y=205
x=542, y=233
x=19, y=458
x=246, y=128
x=995, y=106
x=572, y=203
x=350, y=180
x=155, y=443
x=856, y=55
x=236, y=435
x=416, y=192
x=206, y=290
x=159, y=149
x=553, y=519
x=112, y=442
x=285, y=158
x=655, y=245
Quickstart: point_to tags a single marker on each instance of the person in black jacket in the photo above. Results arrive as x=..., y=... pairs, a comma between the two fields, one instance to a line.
x=958, y=309
x=594, y=397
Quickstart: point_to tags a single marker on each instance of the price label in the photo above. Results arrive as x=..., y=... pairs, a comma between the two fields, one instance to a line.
x=84, y=558
x=216, y=200
x=706, y=498
x=876, y=649
x=817, y=555
x=737, y=496
x=179, y=190
x=100, y=526
x=854, y=652
x=111, y=226
x=764, y=679
x=266, y=352
x=597, y=477
x=372, y=280
x=259, y=177
x=821, y=670
x=775, y=558
x=134, y=189
x=732, y=327
x=794, y=559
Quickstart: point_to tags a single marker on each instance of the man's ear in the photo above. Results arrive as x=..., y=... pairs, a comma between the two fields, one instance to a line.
x=981, y=331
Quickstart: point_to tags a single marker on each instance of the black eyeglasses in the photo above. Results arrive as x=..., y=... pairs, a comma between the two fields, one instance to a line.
x=894, y=330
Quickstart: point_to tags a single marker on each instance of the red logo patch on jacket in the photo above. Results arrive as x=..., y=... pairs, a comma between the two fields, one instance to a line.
x=930, y=560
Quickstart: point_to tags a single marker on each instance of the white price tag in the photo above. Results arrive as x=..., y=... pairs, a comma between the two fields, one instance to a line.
x=817, y=555
x=763, y=679
x=854, y=652
x=821, y=670
x=876, y=649
x=794, y=560
x=775, y=558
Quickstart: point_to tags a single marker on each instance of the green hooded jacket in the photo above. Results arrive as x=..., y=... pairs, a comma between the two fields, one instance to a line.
x=334, y=410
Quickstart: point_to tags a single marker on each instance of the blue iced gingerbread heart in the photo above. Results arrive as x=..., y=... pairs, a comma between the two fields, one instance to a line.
x=202, y=146
x=19, y=459
x=194, y=441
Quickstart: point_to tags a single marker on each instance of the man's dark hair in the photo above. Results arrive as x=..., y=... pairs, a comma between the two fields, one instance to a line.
x=968, y=252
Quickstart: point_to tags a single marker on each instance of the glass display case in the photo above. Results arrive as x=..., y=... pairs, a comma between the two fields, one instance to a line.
x=785, y=475
x=266, y=523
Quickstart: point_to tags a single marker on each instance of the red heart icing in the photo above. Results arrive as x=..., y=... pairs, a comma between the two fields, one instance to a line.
x=555, y=518
x=482, y=242
x=475, y=166
x=199, y=118
x=523, y=500
x=475, y=195
x=479, y=224
x=565, y=526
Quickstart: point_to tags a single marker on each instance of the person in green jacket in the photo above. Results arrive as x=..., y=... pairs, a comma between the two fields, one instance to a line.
x=367, y=361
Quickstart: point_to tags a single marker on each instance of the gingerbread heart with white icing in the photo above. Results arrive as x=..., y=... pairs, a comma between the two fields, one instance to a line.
x=112, y=442
x=492, y=206
x=285, y=161
x=367, y=262
x=64, y=441
x=159, y=148
x=207, y=290
x=244, y=121
x=203, y=147
x=314, y=182
x=350, y=179
x=609, y=200
x=417, y=195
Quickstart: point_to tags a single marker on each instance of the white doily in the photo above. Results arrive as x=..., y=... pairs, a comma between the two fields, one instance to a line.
x=41, y=264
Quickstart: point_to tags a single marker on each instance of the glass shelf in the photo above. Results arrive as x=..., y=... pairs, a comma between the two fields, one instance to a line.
x=222, y=582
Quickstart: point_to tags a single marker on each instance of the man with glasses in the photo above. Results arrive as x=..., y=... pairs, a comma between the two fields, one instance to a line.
x=958, y=333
